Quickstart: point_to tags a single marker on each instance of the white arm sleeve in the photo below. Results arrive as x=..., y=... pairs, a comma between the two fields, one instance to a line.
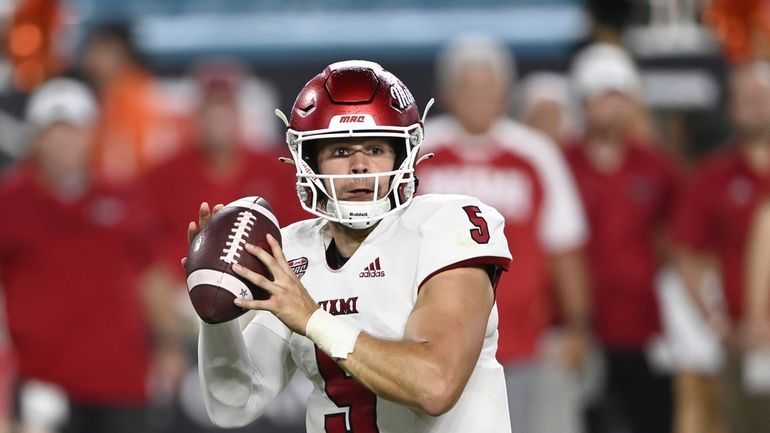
x=242, y=372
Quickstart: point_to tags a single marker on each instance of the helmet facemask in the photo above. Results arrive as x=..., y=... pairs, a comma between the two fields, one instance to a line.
x=317, y=192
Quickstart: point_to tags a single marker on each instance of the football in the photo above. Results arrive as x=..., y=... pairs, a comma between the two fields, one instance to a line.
x=211, y=281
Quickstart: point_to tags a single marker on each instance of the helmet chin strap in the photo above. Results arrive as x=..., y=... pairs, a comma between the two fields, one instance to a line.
x=363, y=213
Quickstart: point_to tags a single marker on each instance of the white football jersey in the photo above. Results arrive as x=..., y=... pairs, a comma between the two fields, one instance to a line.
x=376, y=291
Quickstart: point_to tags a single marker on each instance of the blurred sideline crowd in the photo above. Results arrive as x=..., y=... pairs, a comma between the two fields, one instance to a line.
x=638, y=300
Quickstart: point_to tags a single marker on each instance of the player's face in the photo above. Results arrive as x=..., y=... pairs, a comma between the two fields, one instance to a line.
x=219, y=124
x=608, y=111
x=750, y=102
x=357, y=156
x=63, y=148
x=477, y=97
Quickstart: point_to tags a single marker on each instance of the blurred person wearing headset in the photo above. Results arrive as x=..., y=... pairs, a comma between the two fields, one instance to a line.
x=628, y=190
x=711, y=231
x=479, y=151
x=71, y=270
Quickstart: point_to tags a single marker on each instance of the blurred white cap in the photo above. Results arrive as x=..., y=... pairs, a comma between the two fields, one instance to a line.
x=603, y=67
x=544, y=86
x=474, y=49
x=61, y=100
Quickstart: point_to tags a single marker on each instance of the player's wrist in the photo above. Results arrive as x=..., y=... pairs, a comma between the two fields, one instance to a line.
x=331, y=334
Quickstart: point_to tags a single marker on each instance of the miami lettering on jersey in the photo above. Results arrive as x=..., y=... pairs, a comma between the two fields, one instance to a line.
x=336, y=307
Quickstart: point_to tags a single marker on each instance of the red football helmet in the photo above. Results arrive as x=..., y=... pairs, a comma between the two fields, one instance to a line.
x=354, y=99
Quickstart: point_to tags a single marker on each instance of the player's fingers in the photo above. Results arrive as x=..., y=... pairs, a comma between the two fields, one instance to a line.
x=184, y=261
x=266, y=258
x=255, y=278
x=204, y=214
x=276, y=247
x=217, y=208
x=274, y=265
x=192, y=230
x=253, y=305
x=279, y=256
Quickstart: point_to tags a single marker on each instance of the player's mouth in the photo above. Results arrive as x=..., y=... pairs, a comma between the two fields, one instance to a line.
x=358, y=194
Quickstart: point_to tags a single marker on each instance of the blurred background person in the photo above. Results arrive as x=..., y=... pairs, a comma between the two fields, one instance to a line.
x=683, y=49
x=628, y=190
x=756, y=376
x=218, y=165
x=7, y=373
x=481, y=152
x=543, y=101
x=137, y=125
x=711, y=232
x=71, y=262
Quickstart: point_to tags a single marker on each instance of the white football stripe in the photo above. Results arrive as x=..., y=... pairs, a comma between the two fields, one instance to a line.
x=219, y=279
x=248, y=202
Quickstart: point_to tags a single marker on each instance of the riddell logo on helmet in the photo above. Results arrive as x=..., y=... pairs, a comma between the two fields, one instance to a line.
x=373, y=270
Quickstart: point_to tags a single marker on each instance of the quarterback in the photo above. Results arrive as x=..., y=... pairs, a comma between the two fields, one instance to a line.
x=386, y=301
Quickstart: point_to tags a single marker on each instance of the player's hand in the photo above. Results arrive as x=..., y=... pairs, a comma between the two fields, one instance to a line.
x=756, y=333
x=575, y=346
x=167, y=370
x=204, y=216
x=289, y=300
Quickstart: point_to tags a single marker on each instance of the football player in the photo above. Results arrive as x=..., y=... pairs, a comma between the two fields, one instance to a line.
x=386, y=301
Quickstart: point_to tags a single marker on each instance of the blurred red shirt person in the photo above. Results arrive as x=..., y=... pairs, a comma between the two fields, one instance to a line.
x=218, y=164
x=628, y=190
x=520, y=172
x=712, y=228
x=70, y=263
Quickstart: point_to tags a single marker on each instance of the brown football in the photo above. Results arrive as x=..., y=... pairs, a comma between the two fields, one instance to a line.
x=211, y=282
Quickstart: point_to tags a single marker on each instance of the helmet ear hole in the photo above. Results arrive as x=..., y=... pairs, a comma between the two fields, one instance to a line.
x=310, y=151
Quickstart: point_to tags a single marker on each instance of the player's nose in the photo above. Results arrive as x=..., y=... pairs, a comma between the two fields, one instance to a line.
x=359, y=163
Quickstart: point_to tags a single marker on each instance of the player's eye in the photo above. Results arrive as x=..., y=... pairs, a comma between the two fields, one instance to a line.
x=339, y=152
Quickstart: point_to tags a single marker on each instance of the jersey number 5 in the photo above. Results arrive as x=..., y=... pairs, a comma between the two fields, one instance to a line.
x=481, y=233
x=346, y=393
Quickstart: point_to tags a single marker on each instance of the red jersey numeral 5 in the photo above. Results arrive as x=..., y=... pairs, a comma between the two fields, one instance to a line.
x=346, y=393
x=481, y=233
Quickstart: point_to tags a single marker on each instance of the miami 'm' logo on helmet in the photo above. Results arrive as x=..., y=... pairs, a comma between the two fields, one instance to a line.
x=402, y=95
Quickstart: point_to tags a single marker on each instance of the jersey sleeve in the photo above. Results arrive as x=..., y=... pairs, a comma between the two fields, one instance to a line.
x=461, y=232
x=241, y=373
x=563, y=226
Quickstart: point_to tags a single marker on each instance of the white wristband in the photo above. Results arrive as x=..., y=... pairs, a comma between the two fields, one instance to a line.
x=332, y=335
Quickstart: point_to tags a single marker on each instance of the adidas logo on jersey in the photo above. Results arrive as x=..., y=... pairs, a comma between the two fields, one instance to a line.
x=373, y=270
